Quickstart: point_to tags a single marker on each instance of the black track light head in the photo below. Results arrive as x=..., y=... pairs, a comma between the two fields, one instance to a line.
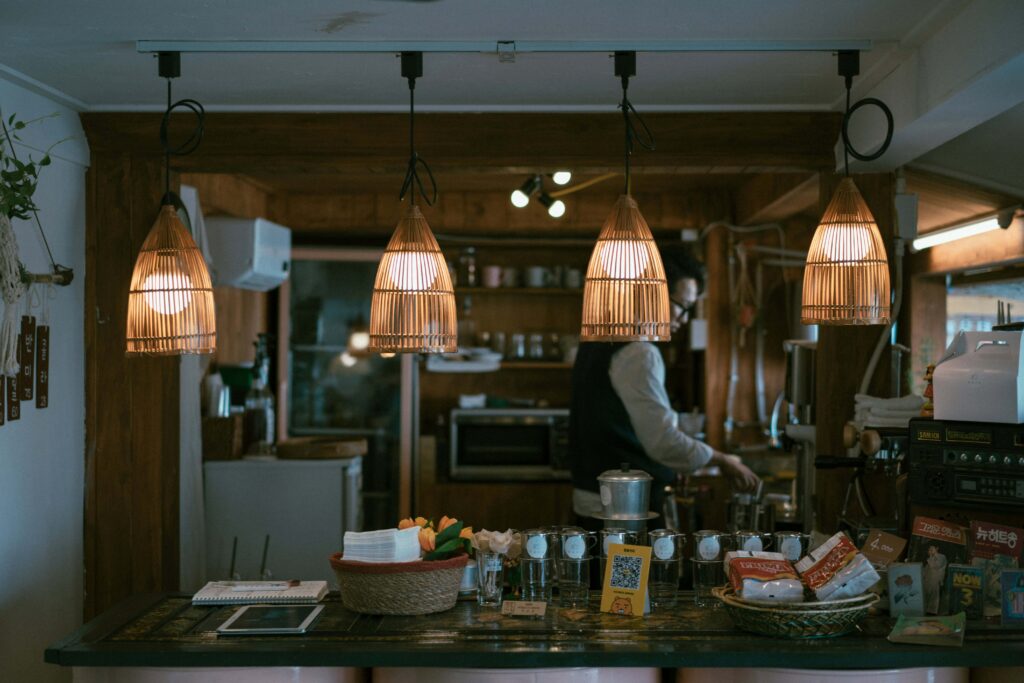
x=521, y=197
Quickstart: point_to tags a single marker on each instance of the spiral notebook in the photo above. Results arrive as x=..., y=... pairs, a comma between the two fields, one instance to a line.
x=260, y=592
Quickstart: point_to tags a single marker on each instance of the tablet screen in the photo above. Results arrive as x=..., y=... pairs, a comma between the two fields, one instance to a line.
x=271, y=619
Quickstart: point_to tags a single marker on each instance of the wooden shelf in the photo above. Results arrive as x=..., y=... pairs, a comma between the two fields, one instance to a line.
x=320, y=348
x=548, y=291
x=535, y=365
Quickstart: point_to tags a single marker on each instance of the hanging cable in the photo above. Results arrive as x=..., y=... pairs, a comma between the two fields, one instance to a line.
x=849, y=66
x=412, y=68
x=170, y=68
x=625, y=66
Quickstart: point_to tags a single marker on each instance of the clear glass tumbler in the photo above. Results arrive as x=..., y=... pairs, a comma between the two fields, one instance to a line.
x=574, y=582
x=666, y=567
x=709, y=548
x=490, y=577
x=538, y=578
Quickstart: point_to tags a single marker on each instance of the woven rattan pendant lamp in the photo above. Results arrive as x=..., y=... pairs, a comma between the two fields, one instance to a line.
x=170, y=301
x=625, y=296
x=413, y=305
x=846, y=277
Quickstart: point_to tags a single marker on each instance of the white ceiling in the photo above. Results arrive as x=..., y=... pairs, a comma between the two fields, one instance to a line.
x=955, y=92
x=86, y=49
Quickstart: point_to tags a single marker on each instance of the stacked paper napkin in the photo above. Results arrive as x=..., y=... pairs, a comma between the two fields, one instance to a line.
x=870, y=411
x=384, y=545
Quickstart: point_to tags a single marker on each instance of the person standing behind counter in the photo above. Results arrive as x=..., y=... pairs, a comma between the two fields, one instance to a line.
x=619, y=410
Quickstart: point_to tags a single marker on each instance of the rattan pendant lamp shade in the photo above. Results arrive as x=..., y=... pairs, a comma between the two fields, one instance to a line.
x=170, y=300
x=412, y=309
x=846, y=277
x=413, y=304
x=625, y=295
x=170, y=303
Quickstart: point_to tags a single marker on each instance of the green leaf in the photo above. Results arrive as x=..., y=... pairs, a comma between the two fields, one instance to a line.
x=443, y=551
x=45, y=161
x=450, y=532
x=19, y=125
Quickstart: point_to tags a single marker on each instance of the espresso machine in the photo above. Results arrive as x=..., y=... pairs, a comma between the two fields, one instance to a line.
x=792, y=429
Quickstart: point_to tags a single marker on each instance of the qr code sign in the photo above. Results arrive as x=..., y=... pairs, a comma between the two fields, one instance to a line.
x=626, y=572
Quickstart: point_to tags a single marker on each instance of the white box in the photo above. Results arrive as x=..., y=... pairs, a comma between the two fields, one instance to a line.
x=979, y=379
x=248, y=253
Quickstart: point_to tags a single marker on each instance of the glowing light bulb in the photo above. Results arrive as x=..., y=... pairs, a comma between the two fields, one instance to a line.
x=557, y=209
x=387, y=355
x=359, y=341
x=347, y=359
x=561, y=177
x=412, y=271
x=519, y=199
x=846, y=243
x=168, y=293
x=624, y=259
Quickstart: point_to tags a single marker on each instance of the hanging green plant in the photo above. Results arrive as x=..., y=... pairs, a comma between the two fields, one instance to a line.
x=19, y=179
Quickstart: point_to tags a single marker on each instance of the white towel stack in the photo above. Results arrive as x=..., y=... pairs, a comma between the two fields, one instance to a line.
x=870, y=411
x=384, y=545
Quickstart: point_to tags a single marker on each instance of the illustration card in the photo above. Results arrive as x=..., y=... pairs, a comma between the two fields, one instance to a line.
x=906, y=589
x=991, y=570
x=625, y=579
x=936, y=544
x=1012, y=581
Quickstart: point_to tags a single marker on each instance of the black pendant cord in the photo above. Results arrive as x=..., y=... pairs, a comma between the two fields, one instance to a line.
x=412, y=177
x=848, y=149
x=188, y=146
x=629, y=115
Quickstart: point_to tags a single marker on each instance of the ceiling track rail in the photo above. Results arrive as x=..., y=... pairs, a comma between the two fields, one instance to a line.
x=498, y=46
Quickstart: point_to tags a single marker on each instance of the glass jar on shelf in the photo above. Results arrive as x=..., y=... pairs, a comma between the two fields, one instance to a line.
x=467, y=268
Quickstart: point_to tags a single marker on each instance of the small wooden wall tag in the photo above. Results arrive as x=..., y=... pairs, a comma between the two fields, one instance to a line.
x=27, y=342
x=42, y=366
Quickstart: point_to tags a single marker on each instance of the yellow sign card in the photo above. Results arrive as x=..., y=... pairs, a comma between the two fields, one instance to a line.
x=625, y=579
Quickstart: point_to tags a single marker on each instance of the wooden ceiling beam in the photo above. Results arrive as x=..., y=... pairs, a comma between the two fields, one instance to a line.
x=945, y=201
x=242, y=142
x=773, y=197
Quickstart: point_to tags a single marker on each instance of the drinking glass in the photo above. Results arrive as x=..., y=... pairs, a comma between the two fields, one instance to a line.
x=538, y=578
x=752, y=541
x=792, y=544
x=574, y=582
x=709, y=549
x=613, y=535
x=666, y=567
x=490, y=577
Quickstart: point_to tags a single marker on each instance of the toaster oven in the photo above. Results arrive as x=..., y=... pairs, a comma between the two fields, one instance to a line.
x=507, y=444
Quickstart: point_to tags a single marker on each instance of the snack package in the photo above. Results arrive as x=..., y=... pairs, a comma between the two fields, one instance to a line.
x=766, y=577
x=948, y=631
x=836, y=569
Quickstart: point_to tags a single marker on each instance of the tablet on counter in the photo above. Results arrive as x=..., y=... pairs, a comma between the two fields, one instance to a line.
x=271, y=619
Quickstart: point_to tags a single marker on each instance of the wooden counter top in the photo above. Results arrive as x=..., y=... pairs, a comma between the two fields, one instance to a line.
x=166, y=631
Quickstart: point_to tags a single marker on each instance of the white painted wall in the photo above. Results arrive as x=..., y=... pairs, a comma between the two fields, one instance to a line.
x=42, y=455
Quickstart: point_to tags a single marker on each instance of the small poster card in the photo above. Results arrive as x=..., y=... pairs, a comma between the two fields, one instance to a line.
x=625, y=579
x=1012, y=581
x=966, y=590
x=946, y=631
x=936, y=544
x=988, y=540
x=883, y=548
x=906, y=589
x=992, y=570
x=524, y=608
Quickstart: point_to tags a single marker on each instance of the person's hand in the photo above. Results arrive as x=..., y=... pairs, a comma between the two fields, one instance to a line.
x=739, y=475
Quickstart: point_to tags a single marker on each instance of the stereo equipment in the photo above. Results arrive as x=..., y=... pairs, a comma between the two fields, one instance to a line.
x=966, y=464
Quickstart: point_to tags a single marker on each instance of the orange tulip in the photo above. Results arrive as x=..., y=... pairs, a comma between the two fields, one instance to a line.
x=422, y=522
x=446, y=522
x=427, y=539
x=406, y=523
x=467, y=532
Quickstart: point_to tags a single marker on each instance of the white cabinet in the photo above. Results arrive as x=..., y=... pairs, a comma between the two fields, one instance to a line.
x=305, y=506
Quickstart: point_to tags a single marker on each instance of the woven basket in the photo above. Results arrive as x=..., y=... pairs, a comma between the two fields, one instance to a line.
x=825, y=619
x=399, y=587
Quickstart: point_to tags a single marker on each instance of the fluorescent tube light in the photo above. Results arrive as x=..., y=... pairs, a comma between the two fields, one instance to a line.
x=955, y=232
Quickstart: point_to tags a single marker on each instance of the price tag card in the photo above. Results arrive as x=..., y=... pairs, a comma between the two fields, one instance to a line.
x=523, y=608
x=883, y=548
x=625, y=579
x=27, y=353
x=42, y=366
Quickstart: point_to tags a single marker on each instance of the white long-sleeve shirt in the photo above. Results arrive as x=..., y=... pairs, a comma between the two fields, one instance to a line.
x=637, y=374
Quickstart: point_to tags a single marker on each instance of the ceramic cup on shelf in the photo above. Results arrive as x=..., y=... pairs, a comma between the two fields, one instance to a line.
x=492, y=277
x=509, y=277
x=538, y=276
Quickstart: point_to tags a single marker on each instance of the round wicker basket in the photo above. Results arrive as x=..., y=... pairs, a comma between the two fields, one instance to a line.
x=824, y=619
x=399, y=587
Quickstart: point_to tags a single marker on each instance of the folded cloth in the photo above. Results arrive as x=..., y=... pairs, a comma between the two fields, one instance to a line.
x=902, y=403
x=383, y=545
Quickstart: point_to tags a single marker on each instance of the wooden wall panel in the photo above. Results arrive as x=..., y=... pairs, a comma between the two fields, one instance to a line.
x=132, y=443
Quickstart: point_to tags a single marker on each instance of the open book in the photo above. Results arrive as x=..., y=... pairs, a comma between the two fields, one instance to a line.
x=255, y=592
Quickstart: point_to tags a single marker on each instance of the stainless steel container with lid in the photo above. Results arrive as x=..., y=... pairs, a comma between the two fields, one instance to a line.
x=625, y=493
